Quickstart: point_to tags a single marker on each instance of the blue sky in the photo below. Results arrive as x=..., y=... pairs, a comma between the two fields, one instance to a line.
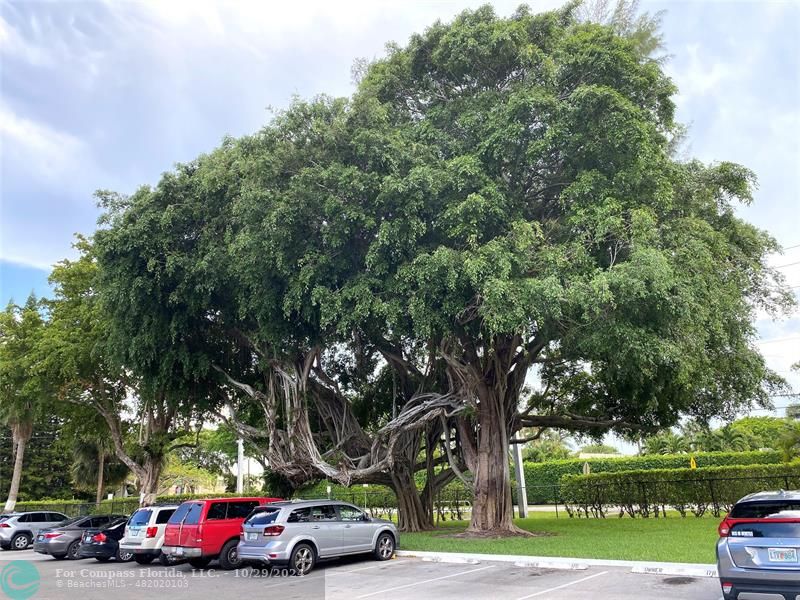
x=108, y=94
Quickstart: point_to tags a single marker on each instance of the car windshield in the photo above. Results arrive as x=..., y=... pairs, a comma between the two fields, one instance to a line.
x=141, y=517
x=263, y=516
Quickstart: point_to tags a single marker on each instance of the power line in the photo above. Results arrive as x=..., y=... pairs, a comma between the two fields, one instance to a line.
x=791, y=264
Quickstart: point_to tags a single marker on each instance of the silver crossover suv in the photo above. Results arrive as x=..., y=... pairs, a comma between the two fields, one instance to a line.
x=17, y=530
x=298, y=533
x=759, y=546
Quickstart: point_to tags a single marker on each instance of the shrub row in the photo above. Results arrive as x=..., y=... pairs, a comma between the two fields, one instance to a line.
x=649, y=493
x=542, y=479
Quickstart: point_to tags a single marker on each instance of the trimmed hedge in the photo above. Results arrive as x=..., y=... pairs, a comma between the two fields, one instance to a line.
x=542, y=479
x=648, y=493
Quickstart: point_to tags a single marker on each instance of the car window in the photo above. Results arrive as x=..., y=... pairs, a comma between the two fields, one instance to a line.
x=97, y=522
x=56, y=517
x=71, y=522
x=141, y=517
x=193, y=515
x=263, y=517
x=38, y=517
x=350, y=513
x=164, y=515
x=216, y=511
x=299, y=515
x=24, y=519
x=187, y=513
x=764, y=510
x=240, y=510
x=323, y=513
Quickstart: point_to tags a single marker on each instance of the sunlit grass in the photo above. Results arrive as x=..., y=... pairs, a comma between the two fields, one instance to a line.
x=674, y=539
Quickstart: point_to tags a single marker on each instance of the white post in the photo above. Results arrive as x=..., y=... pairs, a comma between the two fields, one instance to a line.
x=240, y=467
x=522, y=492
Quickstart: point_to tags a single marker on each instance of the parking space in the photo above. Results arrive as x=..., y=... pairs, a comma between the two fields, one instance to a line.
x=357, y=579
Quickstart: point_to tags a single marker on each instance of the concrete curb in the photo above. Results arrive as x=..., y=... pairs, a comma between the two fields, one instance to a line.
x=572, y=564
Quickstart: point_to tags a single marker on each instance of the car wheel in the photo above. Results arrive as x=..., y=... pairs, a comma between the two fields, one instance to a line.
x=303, y=559
x=199, y=563
x=124, y=555
x=229, y=557
x=72, y=550
x=384, y=547
x=21, y=541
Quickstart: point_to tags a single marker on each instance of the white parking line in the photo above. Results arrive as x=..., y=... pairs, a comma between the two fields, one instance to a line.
x=408, y=585
x=561, y=587
x=340, y=572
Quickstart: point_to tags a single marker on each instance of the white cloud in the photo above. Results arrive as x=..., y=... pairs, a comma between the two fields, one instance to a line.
x=38, y=148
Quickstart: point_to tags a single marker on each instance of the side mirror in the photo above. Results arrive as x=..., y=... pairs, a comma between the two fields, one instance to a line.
x=365, y=517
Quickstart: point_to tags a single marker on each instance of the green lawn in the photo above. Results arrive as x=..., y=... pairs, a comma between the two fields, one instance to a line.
x=673, y=539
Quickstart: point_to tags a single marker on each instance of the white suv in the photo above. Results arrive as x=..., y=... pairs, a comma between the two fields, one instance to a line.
x=144, y=534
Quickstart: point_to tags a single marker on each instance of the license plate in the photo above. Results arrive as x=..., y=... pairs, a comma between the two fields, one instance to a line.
x=87, y=538
x=783, y=555
x=179, y=551
x=135, y=532
x=40, y=537
x=251, y=536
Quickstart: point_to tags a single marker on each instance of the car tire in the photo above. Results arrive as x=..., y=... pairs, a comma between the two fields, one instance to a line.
x=143, y=559
x=21, y=541
x=72, y=550
x=124, y=555
x=229, y=557
x=199, y=563
x=303, y=559
x=384, y=547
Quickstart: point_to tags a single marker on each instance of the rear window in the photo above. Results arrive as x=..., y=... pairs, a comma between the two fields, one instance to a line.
x=766, y=510
x=187, y=513
x=765, y=529
x=141, y=517
x=263, y=517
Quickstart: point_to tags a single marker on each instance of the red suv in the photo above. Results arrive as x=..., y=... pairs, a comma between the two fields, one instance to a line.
x=202, y=530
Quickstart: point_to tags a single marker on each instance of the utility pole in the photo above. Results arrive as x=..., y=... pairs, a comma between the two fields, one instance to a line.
x=240, y=467
x=522, y=492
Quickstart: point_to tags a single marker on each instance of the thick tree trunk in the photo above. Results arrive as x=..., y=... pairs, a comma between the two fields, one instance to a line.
x=16, y=477
x=414, y=512
x=492, y=509
x=101, y=466
x=148, y=480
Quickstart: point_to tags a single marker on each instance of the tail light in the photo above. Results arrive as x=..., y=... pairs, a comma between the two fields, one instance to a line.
x=151, y=532
x=50, y=536
x=99, y=537
x=273, y=530
x=724, y=528
x=5, y=525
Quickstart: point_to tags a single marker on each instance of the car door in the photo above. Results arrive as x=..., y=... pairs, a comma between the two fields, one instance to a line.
x=356, y=529
x=326, y=530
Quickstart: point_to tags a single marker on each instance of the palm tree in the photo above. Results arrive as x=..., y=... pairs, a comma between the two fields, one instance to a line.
x=95, y=465
x=22, y=392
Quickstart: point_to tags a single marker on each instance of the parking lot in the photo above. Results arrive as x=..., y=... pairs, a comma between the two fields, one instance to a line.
x=357, y=579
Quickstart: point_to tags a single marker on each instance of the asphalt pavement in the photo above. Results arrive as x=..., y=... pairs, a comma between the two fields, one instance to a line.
x=353, y=578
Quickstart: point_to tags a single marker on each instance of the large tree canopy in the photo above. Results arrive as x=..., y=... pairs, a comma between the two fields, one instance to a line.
x=497, y=200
